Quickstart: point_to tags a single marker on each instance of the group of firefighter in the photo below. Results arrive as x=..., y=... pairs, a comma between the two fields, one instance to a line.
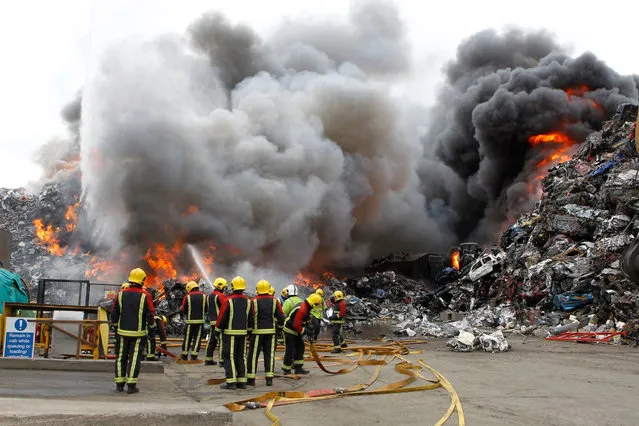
x=233, y=317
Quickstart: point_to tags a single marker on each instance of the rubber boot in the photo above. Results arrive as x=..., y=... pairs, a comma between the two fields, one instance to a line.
x=300, y=370
x=250, y=382
x=228, y=386
x=193, y=357
x=210, y=362
x=184, y=357
x=336, y=351
x=286, y=371
x=241, y=385
x=132, y=388
x=344, y=345
x=119, y=387
x=269, y=381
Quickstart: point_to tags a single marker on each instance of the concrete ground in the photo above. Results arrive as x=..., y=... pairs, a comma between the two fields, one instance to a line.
x=539, y=382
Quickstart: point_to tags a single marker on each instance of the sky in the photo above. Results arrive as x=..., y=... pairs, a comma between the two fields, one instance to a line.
x=50, y=47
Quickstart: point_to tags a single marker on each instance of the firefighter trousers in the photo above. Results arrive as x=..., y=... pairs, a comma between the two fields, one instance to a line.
x=293, y=351
x=234, y=358
x=192, y=339
x=211, y=344
x=338, y=340
x=150, y=347
x=317, y=327
x=128, y=359
x=264, y=343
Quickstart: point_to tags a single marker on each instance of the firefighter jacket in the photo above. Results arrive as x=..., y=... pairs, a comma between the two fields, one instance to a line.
x=318, y=311
x=194, y=306
x=233, y=317
x=339, y=312
x=215, y=302
x=290, y=303
x=265, y=314
x=298, y=318
x=133, y=312
x=160, y=329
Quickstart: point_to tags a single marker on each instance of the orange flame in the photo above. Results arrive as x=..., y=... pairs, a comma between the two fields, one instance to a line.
x=161, y=261
x=191, y=210
x=454, y=259
x=48, y=237
x=71, y=217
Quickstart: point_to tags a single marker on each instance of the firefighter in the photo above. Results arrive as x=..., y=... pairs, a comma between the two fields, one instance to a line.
x=271, y=292
x=337, y=320
x=283, y=295
x=317, y=315
x=151, y=353
x=294, y=326
x=194, y=307
x=264, y=317
x=292, y=299
x=116, y=339
x=215, y=302
x=133, y=314
x=232, y=325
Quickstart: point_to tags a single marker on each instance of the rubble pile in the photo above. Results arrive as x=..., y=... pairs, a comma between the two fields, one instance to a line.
x=559, y=266
x=19, y=209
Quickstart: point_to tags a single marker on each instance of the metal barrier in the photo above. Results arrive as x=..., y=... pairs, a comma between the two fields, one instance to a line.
x=63, y=292
x=78, y=292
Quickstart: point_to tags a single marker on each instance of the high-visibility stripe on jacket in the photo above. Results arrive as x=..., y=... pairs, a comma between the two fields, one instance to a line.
x=290, y=303
x=194, y=306
x=233, y=317
x=318, y=311
x=215, y=302
x=133, y=312
x=298, y=318
x=265, y=314
x=339, y=312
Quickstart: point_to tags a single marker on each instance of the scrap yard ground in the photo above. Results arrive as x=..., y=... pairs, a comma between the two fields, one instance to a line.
x=538, y=382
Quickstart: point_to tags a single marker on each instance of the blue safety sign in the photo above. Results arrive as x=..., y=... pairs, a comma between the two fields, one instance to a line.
x=19, y=338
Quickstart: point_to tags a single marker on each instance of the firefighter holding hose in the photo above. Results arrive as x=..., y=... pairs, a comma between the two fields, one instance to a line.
x=337, y=321
x=294, y=327
x=194, y=306
x=132, y=314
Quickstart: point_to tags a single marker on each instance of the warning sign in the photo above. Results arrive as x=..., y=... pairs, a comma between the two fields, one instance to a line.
x=19, y=338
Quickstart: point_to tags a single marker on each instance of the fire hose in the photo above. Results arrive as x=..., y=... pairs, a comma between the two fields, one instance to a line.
x=389, y=352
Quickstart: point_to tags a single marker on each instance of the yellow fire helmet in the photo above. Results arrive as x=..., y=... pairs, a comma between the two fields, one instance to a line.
x=262, y=287
x=238, y=284
x=137, y=276
x=190, y=286
x=314, y=299
x=320, y=292
x=271, y=291
x=220, y=284
x=338, y=295
x=124, y=286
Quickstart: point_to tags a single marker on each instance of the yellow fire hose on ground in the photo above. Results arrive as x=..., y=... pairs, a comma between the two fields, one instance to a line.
x=388, y=352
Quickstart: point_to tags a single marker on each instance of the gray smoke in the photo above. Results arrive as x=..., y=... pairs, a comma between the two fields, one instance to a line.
x=294, y=157
x=501, y=89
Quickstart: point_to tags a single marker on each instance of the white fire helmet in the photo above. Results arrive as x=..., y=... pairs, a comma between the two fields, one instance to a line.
x=292, y=290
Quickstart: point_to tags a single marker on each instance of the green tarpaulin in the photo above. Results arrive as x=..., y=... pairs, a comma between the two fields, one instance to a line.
x=11, y=288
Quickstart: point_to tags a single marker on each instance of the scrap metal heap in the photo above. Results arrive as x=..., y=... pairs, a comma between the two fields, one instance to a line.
x=558, y=267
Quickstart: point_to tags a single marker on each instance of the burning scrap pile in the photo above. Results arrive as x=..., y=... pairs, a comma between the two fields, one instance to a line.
x=560, y=265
